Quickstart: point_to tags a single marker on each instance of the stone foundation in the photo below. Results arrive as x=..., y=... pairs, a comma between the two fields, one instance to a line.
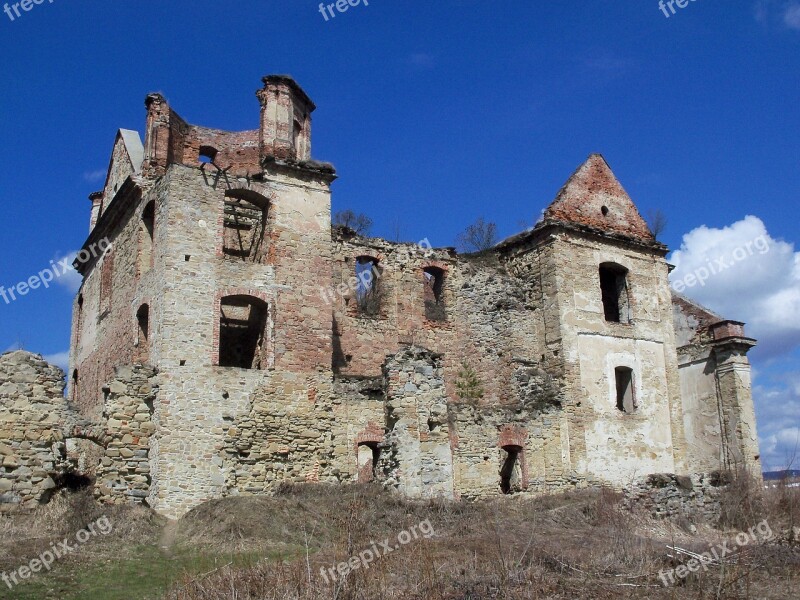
x=32, y=412
x=666, y=495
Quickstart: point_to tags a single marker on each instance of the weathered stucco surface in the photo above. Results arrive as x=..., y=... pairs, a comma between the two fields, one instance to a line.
x=224, y=344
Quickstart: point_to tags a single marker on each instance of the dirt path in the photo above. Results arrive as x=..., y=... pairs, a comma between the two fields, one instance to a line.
x=167, y=539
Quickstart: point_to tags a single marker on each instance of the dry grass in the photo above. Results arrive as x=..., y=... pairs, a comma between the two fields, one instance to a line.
x=572, y=545
x=567, y=546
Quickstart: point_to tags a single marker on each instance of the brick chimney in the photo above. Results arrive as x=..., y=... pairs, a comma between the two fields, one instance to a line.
x=285, y=119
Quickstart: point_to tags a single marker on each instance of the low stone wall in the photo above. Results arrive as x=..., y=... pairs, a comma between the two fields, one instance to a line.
x=667, y=495
x=32, y=410
x=123, y=475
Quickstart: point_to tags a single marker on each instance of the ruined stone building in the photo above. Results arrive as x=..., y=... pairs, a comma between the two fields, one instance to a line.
x=230, y=339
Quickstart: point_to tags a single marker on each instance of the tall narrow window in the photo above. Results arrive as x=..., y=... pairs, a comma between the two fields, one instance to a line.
x=244, y=225
x=510, y=473
x=243, y=333
x=79, y=320
x=146, y=227
x=626, y=397
x=614, y=290
x=368, y=289
x=434, y=293
x=143, y=333
x=106, y=282
x=75, y=395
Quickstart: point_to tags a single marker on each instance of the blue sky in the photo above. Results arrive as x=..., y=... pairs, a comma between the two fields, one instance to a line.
x=436, y=113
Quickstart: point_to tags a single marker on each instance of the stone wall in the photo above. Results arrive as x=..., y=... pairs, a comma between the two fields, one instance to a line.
x=416, y=457
x=666, y=495
x=32, y=413
x=123, y=475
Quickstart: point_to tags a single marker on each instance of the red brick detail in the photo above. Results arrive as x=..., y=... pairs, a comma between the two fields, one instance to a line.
x=373, y=433
x=514, y=436
x=727, y=329
x=595, y=198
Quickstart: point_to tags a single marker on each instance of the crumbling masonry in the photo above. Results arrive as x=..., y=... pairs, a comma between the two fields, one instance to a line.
x=224, y=345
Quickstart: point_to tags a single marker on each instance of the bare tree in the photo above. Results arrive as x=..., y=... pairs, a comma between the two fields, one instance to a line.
x=478, y=237
x=657, y=221
x=397, y=229
x=360, y=223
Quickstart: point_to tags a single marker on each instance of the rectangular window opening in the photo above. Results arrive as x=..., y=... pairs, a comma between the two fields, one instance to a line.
x=626, y=399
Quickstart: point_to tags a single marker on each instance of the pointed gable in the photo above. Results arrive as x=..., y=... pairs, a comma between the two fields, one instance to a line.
x=593, y=197
x=126, y=160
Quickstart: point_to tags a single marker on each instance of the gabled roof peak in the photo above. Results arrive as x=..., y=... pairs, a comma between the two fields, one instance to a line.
x=594, y=197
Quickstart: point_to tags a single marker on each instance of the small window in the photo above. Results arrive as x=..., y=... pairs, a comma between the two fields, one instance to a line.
x=243, y=333
x=143, y=332
x=207, y=154
x=297, y=134
x=614, y=291
x=146, y=227
x=143, y=322
x=626, y=397
x=434, y=293
x=244, y=226
x=368, y=289
x=75, y=385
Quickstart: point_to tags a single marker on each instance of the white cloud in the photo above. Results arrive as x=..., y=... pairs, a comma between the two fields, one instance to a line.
x=69, y=279
x=748, y=276
x=792, y=16
x=775, y=12
x=59, y=359
x=777, y=410
x=94, y=176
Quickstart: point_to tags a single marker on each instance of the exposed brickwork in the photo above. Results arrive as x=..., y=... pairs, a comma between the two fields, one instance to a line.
x=342, y=389
x=595, y=198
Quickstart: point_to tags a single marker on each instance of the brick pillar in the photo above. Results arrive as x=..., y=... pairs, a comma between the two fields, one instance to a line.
x=285, y=132
x=97, y=204
x=737, y=414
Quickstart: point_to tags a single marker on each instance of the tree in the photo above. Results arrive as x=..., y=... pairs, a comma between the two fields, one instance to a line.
x=468, y=385
x=657, y=221
x=478, y=237
x=360, y=223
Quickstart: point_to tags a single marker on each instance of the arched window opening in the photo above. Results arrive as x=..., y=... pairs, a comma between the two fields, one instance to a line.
x=368, y=456
x=368, y=289
x=243, y=333
x=511, y=471
x=146, y=229
x=434, y=293
x=614, y=291
x=245, y=218
x=79, y=319
x=626, y=396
